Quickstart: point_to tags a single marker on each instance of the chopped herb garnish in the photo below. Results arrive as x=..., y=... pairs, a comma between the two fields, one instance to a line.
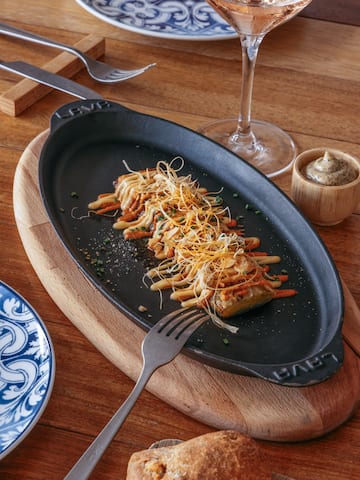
x=250, y=207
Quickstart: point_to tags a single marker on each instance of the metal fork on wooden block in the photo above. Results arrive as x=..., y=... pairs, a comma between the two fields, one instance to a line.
x=100, y=71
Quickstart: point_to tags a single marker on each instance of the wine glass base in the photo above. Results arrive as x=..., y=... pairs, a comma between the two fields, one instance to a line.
x=267, y=148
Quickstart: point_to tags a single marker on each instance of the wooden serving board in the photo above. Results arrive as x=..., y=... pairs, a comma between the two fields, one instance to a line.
x=217, y=398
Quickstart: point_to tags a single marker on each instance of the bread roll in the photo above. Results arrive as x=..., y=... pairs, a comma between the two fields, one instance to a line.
x=222, y=455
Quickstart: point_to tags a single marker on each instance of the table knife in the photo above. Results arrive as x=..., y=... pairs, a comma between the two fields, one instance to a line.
x=50, y=79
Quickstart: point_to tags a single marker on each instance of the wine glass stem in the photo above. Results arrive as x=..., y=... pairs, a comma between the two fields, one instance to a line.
x=249, y=46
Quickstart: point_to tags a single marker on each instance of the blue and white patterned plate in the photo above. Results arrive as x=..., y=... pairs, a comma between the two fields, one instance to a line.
x=27, y=368
x=173, y=19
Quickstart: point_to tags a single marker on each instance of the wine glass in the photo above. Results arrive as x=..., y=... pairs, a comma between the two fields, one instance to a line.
x=264, y=145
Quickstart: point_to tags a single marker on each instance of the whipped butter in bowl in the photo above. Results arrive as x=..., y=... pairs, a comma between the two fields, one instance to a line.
x=326, y=185
x=331, y=169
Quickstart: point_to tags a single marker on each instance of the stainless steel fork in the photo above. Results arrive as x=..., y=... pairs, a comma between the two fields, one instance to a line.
x=100, y=71
x=161, y=345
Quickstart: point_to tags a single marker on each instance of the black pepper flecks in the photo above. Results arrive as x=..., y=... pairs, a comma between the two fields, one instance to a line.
x=110, y=257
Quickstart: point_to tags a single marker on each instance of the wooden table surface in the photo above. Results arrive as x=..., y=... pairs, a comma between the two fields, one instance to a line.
x=307, y=81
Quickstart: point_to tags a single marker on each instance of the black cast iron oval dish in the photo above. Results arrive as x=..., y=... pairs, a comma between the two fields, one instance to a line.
x=293, y=341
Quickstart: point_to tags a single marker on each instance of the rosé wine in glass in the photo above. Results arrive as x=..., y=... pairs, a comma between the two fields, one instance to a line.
x=262, y=144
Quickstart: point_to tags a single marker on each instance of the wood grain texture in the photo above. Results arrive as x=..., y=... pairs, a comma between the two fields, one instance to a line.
x=307, y=81
x=25, y=93
x=217, y=398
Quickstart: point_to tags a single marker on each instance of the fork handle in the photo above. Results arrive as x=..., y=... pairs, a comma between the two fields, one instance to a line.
x=87, y=462
x=33, y=37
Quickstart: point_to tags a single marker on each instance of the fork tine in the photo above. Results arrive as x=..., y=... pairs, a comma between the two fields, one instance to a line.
x=177, y=320
x=174, y=315
x=133, y=72
x=190, y=328
x=184, y=325
x=113, y=76
x=121, y=74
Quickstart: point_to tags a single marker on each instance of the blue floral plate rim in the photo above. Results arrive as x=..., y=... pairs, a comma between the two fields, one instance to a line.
x=172, y=19
x=24, y=392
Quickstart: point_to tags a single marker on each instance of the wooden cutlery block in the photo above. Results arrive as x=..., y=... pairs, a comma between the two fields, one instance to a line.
x=25, y=93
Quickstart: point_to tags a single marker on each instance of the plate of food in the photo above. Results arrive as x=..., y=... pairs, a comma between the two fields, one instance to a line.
x=27, y=368
x=190, y=20
x=113, y=181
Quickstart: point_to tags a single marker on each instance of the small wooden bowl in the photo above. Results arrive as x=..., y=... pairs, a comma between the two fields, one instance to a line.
x=323, y=204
